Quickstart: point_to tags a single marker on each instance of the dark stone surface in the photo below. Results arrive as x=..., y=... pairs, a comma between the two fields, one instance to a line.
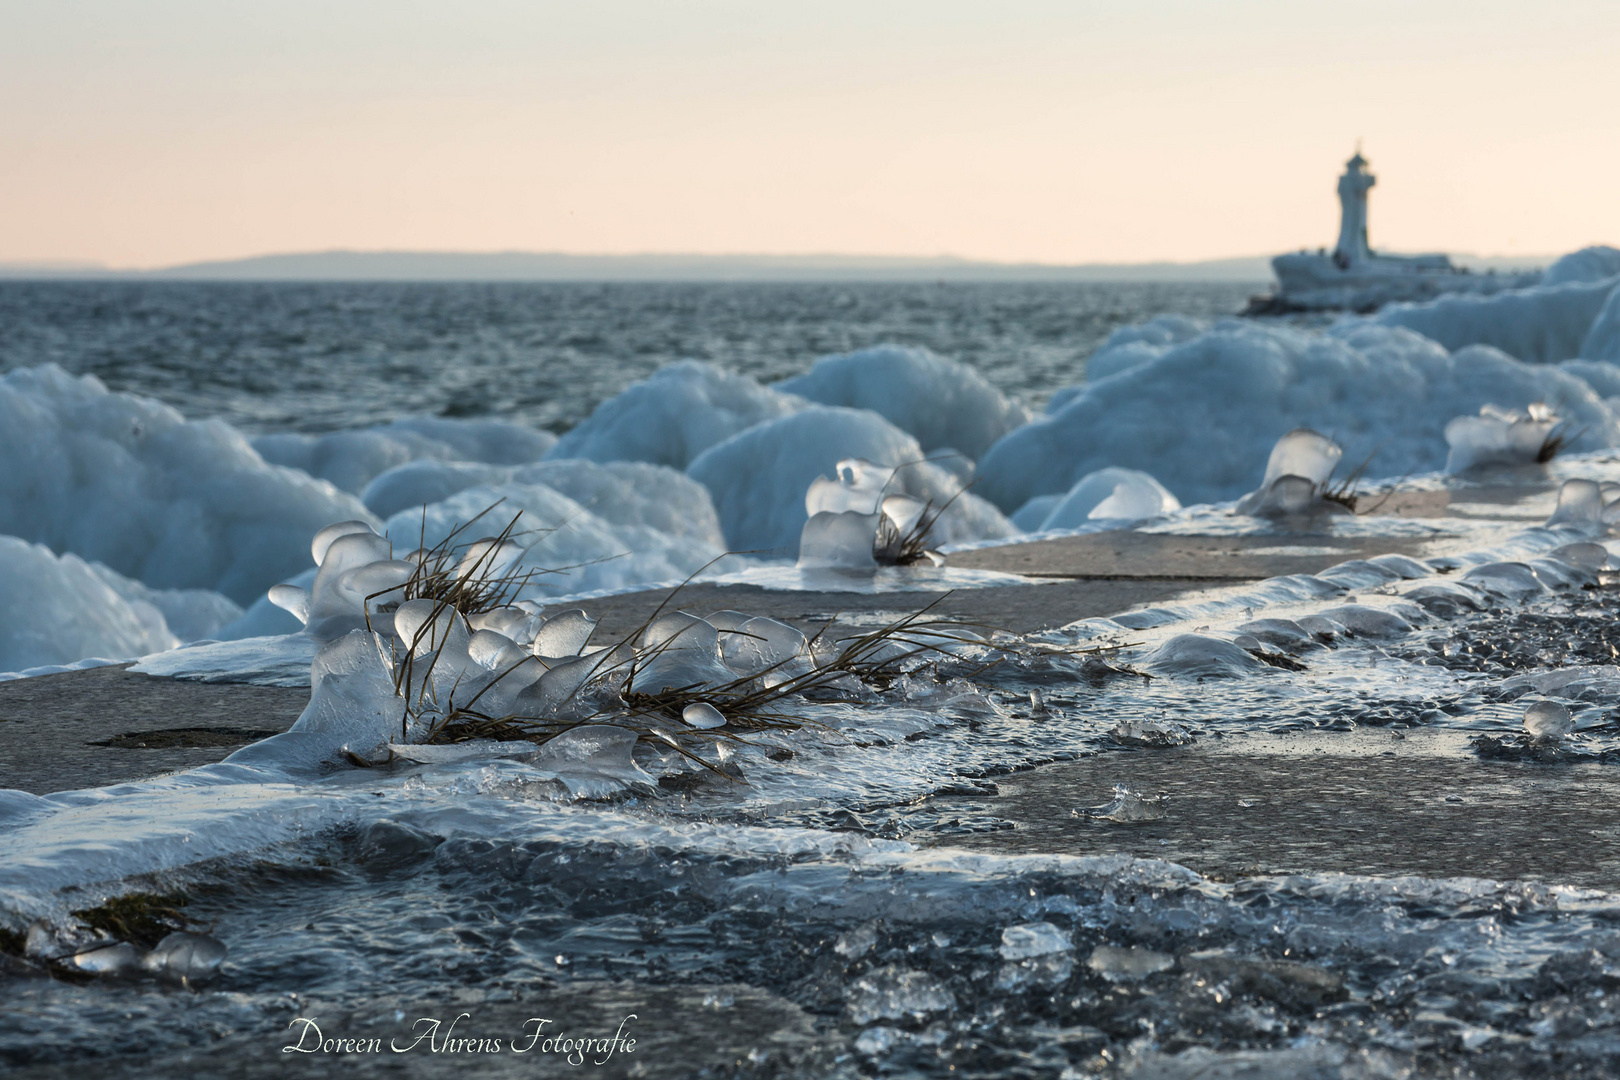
x=83, y=728
x=1368, y=802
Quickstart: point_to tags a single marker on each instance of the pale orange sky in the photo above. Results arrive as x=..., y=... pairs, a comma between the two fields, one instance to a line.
x=150, y=132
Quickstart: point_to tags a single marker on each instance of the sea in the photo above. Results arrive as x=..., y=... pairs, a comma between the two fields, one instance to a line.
x=316, y=357
x=1395, y=773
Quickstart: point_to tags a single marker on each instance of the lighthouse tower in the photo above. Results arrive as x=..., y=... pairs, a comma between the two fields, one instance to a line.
x=1352, y=247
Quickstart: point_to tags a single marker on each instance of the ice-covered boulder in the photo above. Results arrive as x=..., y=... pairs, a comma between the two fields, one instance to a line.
x=351, y=459
x=672, y=417
x=1199, y=415
x=128, y=482
x=1588, y=264
x=940, y=402
x=1540, y=325
x=59, y=609
x=425, y=481
x=759, y=477
x=1123, y=494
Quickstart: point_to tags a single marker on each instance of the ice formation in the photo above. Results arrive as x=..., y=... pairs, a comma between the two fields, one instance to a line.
x=940, y=402
x=1296, y=477
x=1540, y=325
x=1196, y=413
x=1588, y=264
x=858, y=519
x=674, y=416
x=1118, y=494
x=60, y=609
x=758, y=478
x=127, y=482
x=350, y=459
x=1502, y=437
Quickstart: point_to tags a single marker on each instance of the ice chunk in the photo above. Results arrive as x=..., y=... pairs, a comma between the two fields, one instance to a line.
x=591, y=751
x=1156, y=733
x=895, y=993
x=1296, y=474
x=424, y=626
x=702, y=715
x=1126, y=494
x=1033, y=939
x=324, y=539
x=292, y=599
x=1547, y=720
x=674, y=416
x=1500, y=437
x=120, y=959
x=1580, y=503
x=841, y=540
x=1128, y=806
x=760, y=643
x=564, y=634
x=1514, y=580
x=1117, y=964
x=486, y=647
x=183, y=955
x=941, y=402
x=856, y=485
x=556, y=693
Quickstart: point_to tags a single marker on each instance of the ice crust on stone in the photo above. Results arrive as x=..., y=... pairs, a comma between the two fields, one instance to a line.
x=1197, y=412
x=127, y=482
x=351, y=459
x=673, y=416
x=759, y=478
x=939, y=402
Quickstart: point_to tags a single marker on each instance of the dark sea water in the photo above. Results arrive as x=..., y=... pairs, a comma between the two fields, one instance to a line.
x=326, y=356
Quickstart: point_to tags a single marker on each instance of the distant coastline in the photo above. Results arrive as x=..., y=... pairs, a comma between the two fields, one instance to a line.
x=525, y=266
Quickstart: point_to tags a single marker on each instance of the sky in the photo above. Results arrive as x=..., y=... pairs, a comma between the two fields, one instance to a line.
x=142, y=133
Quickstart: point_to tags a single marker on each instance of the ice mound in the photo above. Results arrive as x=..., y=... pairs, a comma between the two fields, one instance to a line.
x=126, y=481
x=1500, y=436
x=1588, y=264
x=1130, y=345
x=350, y=459
x=1124, y=494
x=674, y=416
x=423, y=482
x=757, y=477
x=940, y=402
x=635, y=538
x=1200, y=656
x=62, y=609
x=1541, y=325
x=1603, y=339
x=1197, y=413
x=1296, y=477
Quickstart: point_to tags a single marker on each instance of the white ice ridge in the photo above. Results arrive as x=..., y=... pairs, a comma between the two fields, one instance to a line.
x=60, y=609
x=941, y=402
x=1540, y=325
x=1197, y=411
x=126, y=481
x=672, y=417
x=758, y=477
x=350, y=459
x=599, y=526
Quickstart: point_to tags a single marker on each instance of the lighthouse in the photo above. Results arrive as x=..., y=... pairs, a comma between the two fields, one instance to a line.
x=1353, y=186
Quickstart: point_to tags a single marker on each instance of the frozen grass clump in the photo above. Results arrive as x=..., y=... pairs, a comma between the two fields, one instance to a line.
x=1500, y=436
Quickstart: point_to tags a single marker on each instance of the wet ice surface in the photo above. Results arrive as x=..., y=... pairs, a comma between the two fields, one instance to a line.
x=833, y=896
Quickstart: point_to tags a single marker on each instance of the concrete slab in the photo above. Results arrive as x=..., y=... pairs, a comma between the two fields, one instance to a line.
x=107, y=725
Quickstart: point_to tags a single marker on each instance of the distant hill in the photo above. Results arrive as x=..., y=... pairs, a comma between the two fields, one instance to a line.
x=523, y=266
x=529, y=266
